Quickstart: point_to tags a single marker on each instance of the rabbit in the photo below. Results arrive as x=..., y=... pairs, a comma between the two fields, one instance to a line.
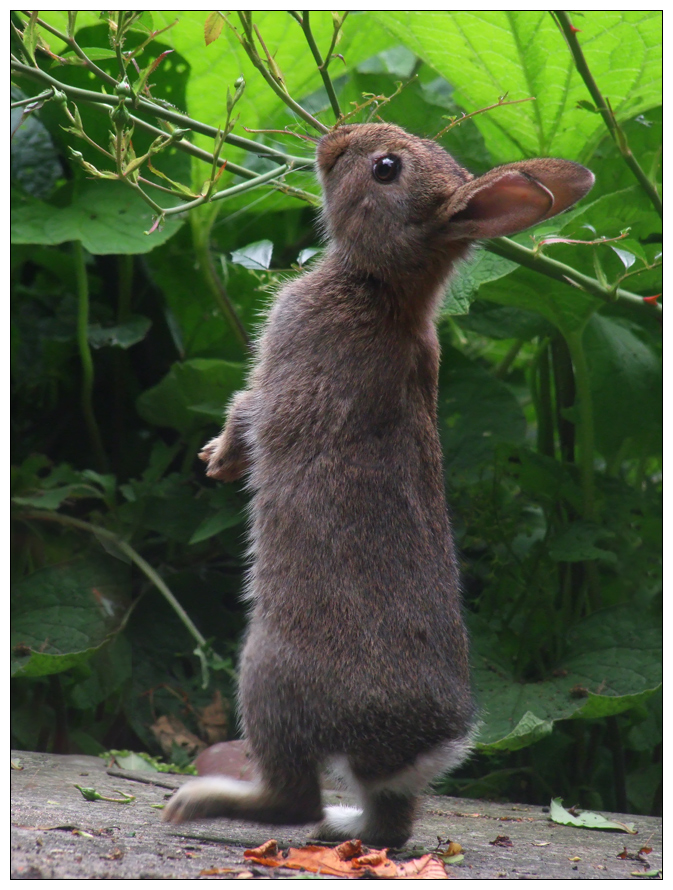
x=356, y=656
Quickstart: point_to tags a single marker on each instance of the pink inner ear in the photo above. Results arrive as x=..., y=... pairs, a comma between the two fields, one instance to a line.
x=508, y=204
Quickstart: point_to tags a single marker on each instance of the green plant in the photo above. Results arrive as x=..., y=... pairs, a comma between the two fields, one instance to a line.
x=126, y=346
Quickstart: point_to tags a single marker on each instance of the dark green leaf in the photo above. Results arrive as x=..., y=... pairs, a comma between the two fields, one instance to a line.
x=254, y=256
x=124, y=335
x=62, y=615
x=187, y=384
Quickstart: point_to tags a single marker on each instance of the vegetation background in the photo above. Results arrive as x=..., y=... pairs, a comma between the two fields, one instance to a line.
x=128, y=563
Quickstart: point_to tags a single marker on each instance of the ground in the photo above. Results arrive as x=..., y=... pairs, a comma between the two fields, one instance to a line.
x=58, y=834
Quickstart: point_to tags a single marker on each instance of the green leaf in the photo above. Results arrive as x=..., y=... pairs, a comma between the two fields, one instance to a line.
x=107, y=217
x=35, y=164
x=477, y=412
x=576, y=544
x=529, y=729
x=626, y=385
x=61, y=615
x=52, y=498
x=229, y=514
x=585, y=819
x=627, y=258
x=186, y=384
x=503, y=322
x=93, y=52
x=566, y=307
x=124, y=335
x=254, y=256
x=464, y=287
x=614, y=663
x=487, y=54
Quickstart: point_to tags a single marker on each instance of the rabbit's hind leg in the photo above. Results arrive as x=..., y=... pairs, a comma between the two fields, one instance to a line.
x=275, y=799
x=385, y=820
x=387, y=804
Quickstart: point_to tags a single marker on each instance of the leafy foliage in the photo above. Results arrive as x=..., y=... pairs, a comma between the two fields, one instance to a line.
x=129, y=564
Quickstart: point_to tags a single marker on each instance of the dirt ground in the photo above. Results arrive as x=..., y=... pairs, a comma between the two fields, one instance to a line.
x=57, y=834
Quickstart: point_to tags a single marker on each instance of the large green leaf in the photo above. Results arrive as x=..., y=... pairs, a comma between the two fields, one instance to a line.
x=487, y=54
x=477, y=413
x=62, y=614
x=566, y=307
x=107, y=217
x=614, y=662
x=625, y=374
x=178, y=400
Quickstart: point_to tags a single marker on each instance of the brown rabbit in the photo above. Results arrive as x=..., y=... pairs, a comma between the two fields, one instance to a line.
x=356, y=656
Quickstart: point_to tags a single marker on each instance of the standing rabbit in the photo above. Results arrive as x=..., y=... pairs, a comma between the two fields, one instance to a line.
x=356, y=656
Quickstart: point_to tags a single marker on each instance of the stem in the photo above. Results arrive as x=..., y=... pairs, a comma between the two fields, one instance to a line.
x=167, y=114
x=304, y=21
x=227, y=193
x=585, y=427
x=47, y=94
x=543, y=402
x=201, y=240
x=511, y=250
x=248, y=44
x=603, y=107
x=506, y=363
x=74, y=46
x=564, y=387
x=85, y=357
x=614, y=738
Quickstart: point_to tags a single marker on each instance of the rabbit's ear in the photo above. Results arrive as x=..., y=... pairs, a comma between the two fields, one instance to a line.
x=516, y=196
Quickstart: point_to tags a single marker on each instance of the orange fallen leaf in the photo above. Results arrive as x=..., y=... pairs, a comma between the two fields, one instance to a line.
x=428, y=867
x=207, y=872
x=326, y=861
x=349, y=849
x=344, y=861
x=268, y=848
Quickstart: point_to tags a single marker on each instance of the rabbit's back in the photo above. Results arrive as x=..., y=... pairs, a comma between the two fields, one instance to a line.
x=357, y=610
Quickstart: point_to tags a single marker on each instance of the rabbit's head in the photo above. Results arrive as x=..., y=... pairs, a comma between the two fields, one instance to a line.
x=395, y=204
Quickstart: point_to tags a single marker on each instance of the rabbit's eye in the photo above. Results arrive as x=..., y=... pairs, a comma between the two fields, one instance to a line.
x=386, y=168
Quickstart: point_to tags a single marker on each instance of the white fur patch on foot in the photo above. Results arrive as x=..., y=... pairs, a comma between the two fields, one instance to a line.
x=339, y=824
x=207, y=796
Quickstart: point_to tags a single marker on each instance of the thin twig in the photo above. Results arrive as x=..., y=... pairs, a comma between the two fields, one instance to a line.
x=500, y=103
x=158, y=111
x=323, y=65
x=272, y=79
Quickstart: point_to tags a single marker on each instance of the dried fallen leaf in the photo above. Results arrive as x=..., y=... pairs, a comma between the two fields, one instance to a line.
x=645, y=850
x=323, y=860
x=169, y=730
x=453, y=849
x=206, y=872
x=268, y=848
x=540, y=843
x=349, y=849
x=501, y=841
x=343, y=861
x=214, y=720
x=427, y=867
x=574, y=859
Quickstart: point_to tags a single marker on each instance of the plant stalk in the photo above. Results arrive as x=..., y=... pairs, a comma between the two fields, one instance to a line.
x=603, y=107
x=85, y=357
x=524, y=256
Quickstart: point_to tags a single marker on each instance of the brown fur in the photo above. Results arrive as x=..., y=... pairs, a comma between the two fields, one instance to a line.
x=356, y=647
